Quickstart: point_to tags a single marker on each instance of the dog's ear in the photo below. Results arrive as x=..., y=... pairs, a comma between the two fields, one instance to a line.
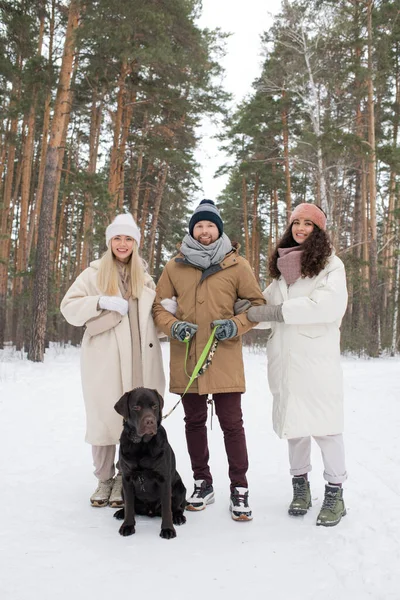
x=160, y=400
x=122, y=406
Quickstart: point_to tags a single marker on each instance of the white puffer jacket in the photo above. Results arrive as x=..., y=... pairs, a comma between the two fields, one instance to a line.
x=304, y=371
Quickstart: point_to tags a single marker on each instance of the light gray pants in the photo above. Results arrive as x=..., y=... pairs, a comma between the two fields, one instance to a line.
x=332, y=450
x=103, y=462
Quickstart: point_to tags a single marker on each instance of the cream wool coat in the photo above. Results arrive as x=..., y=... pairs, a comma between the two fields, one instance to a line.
x=304, y=371
x=106, y=358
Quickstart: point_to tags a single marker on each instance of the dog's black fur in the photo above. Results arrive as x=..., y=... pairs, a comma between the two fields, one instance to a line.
x=151, y=484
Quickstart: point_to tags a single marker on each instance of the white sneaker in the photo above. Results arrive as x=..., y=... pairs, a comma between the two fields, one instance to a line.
x=203, y=494
x=239, y=505
x=102, y=493
x=116, y=500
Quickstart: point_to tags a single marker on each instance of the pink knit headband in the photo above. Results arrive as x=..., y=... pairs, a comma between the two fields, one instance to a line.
x=311, y=212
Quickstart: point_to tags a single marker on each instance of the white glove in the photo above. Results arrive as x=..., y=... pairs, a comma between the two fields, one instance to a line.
x=114, y=303
x=170, y=304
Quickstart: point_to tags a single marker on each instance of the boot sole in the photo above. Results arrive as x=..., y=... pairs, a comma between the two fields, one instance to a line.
x=116, y=504
x=299, y=512
x=99, y=503
x=192, y=508
x=241, y=517
x=331, y=523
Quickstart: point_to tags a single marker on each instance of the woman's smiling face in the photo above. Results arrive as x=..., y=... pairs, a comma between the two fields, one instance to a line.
x=301, y=229
x=122, y=247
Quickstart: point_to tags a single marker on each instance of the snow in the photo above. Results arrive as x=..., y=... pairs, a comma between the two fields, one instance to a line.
x=54, y=545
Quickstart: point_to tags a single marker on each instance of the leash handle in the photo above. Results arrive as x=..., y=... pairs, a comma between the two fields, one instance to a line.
x=199, y=364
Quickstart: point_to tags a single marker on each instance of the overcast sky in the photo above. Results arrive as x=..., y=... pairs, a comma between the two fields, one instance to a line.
x=246, y=20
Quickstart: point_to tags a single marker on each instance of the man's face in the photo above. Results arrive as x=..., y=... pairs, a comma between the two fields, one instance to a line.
x=205, y=232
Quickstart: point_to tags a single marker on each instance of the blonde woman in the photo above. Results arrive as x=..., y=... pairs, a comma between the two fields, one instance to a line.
x=113, y=299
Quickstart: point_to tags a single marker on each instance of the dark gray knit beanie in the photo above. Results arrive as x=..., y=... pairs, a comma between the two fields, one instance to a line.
x=206, y=211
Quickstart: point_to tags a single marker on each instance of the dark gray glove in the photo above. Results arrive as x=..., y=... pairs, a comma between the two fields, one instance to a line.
x=183, y=331
x=226, y=329
x=266, y=312
x=240, y=306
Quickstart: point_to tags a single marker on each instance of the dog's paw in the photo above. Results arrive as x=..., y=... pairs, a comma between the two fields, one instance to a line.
x=168, y=533
x=178, y=518
x=127, y=529
x=120, y=514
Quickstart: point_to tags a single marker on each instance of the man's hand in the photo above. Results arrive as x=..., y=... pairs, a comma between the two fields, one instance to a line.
x=226, y=329
x=183, y=331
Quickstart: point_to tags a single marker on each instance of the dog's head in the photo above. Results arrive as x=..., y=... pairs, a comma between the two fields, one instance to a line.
x=141, y=409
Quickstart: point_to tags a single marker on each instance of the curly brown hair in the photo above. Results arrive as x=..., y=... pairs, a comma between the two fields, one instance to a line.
x=317, y=248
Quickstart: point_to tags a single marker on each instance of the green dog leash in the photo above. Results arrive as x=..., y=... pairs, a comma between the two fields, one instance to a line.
x=201, y=365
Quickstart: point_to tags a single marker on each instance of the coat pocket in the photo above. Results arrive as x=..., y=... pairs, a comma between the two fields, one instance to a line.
x=108, y=319
x=313, y=331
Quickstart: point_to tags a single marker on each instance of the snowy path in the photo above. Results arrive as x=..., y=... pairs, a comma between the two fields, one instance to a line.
x=54, y=545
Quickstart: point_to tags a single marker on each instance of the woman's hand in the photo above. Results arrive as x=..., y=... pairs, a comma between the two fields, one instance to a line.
x=170, y=304
x=266, y=312
x=241, y=305
x=115, y=303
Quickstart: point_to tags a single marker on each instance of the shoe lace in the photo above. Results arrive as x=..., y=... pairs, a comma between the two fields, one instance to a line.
x=300, y=490
x=329, y=500
x=197, y=492
x=240, y=499
x=103, y=487
x=117, y=486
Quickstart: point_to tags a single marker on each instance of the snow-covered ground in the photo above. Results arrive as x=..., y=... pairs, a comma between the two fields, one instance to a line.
x=54, y=545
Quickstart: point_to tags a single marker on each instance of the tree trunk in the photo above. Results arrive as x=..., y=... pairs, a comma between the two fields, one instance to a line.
x=138, y=174
x=162, y=178
x=374, y=345
x=145, y=209
x=35, y=211
x=285, y=131
x=5, y=221
x=396, y=307
x=254, y=224
x=42, y=267
x=115, y=159
x=245, y=219
x=95, y=124
x=315, y=120
x=127, y=118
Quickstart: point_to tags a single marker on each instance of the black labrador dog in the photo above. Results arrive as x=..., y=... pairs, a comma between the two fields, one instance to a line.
x=150, y=482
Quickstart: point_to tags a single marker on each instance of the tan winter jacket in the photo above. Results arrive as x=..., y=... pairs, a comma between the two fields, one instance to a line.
x=203, y=297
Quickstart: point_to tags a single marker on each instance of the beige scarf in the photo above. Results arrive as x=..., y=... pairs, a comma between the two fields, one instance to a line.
x=133, y=315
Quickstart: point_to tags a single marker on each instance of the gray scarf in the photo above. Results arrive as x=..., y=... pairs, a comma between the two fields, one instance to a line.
x=205, y=256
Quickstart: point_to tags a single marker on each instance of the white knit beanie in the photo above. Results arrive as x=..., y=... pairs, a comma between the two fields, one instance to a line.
x=123, y=225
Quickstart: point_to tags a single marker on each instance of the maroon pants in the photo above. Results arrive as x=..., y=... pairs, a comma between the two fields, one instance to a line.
x=229, y=413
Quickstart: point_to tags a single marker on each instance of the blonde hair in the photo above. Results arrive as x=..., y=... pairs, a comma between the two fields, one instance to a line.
x=107, y=276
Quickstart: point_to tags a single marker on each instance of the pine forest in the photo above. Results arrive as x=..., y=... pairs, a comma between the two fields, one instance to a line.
x=101, y=104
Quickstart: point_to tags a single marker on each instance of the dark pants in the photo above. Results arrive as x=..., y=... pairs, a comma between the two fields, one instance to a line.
x=229, y=413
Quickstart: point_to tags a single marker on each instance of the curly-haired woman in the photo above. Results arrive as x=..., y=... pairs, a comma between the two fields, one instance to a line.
x=305, y=305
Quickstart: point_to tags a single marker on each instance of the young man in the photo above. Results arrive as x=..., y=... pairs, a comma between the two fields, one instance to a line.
x=207, y=277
